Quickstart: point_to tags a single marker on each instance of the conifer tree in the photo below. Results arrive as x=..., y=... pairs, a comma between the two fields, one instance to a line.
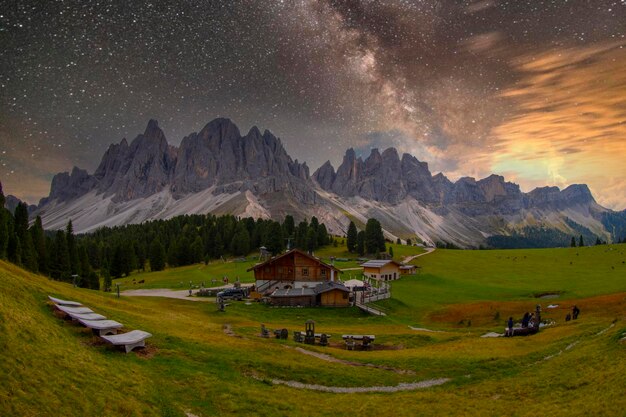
x=322, y=235
x=360, y=243
x=28, y=257
x=39, y=243
x=351, y=238
x=72, y=250
x=275, y=240
x=301, y=234
x=581, y=243
x=374, y=238
x=240, y=245
x=60, y=260
x=157, y=255
x=311, y=239
x=573, y=242
x=289, y=226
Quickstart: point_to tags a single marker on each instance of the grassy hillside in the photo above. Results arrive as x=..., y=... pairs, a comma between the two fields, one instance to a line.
x=192, y=365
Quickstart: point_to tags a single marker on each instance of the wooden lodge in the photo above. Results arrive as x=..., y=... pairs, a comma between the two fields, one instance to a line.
x=294, y=278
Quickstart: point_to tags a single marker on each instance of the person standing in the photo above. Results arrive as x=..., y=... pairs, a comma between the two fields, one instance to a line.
x=510, y=324
x=575, y=312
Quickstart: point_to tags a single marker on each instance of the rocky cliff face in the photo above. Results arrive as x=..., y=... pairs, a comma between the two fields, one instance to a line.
x=216, y=156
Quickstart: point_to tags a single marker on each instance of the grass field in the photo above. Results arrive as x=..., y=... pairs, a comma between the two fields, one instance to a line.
x=192, y=365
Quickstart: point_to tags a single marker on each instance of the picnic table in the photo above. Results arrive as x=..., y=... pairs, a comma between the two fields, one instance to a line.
x=365, y=339
x=358, y=336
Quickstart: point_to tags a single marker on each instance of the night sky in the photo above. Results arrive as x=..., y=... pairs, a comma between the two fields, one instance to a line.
x=532, y=90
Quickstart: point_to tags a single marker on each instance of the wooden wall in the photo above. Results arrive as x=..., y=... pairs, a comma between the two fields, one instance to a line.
x=294, y=267
x=335, y=298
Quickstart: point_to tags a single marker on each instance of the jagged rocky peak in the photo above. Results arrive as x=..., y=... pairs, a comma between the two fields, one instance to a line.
x=578, y=194
x=495, y=186
x=325, y=175
x=66, y=186
x=219, y=155
x=147, y=166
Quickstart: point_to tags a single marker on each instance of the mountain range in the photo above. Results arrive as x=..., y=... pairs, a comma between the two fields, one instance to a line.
x=217, y=170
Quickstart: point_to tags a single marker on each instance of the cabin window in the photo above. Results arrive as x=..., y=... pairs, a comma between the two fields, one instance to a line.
x=280, y=269
x=267, y=270
x=305, y=272
x=289, y=271
x=323, y=272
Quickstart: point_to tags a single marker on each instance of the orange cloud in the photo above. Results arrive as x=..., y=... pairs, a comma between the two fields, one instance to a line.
x=571, y=125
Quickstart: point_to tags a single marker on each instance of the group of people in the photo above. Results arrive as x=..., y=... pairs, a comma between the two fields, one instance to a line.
x=527, y=321
x=574, y=315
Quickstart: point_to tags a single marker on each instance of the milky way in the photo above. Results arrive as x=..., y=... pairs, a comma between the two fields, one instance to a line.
x=534, y=90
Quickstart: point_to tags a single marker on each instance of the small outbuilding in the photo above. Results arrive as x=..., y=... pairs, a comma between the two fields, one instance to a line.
x=408, y=269
x=332, y=294
x=328, y=294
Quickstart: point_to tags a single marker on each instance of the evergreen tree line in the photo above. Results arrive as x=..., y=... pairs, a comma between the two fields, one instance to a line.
x=369, y=241
x=117, y=251
x=56, y=255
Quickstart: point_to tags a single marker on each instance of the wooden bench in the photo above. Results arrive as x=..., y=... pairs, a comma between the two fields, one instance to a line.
x=102, y=327
x=130, y=340
x=67, y=303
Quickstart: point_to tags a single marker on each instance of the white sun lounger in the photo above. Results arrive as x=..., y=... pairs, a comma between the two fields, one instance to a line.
x=130, y=340
x=87, y=316
x=102, y=327
x=77, y=310
x=67, y=303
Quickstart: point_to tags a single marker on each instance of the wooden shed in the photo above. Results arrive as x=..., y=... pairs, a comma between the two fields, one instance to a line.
x=332, y=294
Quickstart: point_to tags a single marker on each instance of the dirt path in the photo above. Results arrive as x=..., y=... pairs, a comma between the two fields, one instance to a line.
x=162, y=292
x=410, y=258
x=329, y=358
x=352, y=390
x=178, y=294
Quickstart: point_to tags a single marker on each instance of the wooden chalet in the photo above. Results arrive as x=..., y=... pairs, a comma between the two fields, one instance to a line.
x=293, y=269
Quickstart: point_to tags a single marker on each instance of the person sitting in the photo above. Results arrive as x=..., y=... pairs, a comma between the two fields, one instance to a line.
x=568, y=317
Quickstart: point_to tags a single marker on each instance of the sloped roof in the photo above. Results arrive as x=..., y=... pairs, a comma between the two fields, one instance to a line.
x=329, y=286
x=293, y=292
x=379, y=263
x=298, y=251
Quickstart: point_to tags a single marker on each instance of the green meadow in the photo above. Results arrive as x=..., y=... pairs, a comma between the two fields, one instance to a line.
x=201, y=362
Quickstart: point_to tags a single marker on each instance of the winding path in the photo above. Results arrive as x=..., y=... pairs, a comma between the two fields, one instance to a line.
x=329, y=358
x=352, y=390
